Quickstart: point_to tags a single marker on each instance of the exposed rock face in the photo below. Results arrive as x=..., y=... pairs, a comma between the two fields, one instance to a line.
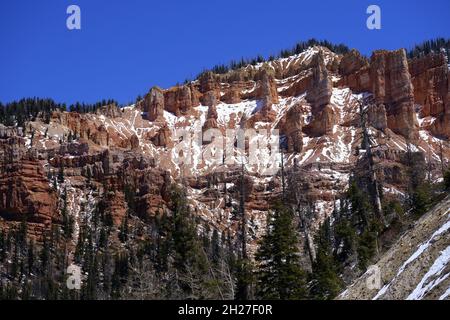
x=209, y=99
x=163, y=138
x=266, y=90
x=352, y=62
x=320, y=93
x=319, y=97
x=211, y=118
x=392, y=86
x=301, y=85
x=323, y=122
x=429, y=77
x=154, y=104
x=111, y=111
x=293, y=129
x=179, y=100
x=355, y=72
x=376, y=116
x=233, y=94
x=25, y=193
x=208, y=82
x=134, y=142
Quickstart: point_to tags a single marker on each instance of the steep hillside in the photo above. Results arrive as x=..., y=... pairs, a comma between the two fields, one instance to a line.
x=418, y=264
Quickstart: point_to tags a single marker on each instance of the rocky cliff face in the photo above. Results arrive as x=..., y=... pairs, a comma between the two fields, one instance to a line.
x=393, y=88
x=313, y=98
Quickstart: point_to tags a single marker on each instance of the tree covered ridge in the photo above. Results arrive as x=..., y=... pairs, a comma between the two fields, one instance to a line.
x=17, y=113
x=431, y=46
x=297, y=49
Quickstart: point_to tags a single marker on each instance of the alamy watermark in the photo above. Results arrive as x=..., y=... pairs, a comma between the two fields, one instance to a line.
x=373, y=280
x=73, y=21
x=74, y=280
x=257, y=149
x=374, y=20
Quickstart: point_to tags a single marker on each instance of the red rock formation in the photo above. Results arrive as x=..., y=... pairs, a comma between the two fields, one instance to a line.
x=110, y=111
x=322, y=123
x=320, y=93
x=266, y=90
x=25, y=194
x=154, y=104
x=319, y=97
x=354, y=70
x=376, y=116
x=233, y=94
x=429, y=77
x=293, y=129
x=392, y=87
x=209, y=99
x=352, y=62
x=211, y=118
x=180, y=99
x=163, y=138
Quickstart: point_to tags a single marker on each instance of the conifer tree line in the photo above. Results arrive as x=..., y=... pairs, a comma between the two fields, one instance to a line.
x=431, y=46
x=17, y=113
x=178, y=256
x=297, y=49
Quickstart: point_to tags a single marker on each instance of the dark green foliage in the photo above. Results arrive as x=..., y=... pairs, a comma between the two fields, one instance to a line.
x=427, y=47
x=16, y=113
x=447, y=180
x=130, y=198
x=297, y=49
x=61, y=173
x=90, y=107
x=325, y=282
x=357, y=227
x=279, y=274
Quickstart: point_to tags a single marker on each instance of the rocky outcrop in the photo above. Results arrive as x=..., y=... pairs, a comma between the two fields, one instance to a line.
x=352, y=62
x=376, y=116
x=429, y=77
x=233, y=93
x=320, y=93
x=25, y=194
x=211, y=118
x=154, y=104
x=322, y=123
x=209, y=87
x=110, y=111
x=293, y=129
x=163, y=137
x=392, y=87
x=209, y=99
x=355, y=73
x=180, y=100
x=319, y=97
x=266, y=90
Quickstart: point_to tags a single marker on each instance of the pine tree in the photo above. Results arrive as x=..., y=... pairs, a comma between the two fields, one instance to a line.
x=326, y=283
x=279, y=274
x=447, y=180
x=61, y=173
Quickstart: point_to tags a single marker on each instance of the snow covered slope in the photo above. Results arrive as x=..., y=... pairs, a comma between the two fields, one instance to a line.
x=417, y=267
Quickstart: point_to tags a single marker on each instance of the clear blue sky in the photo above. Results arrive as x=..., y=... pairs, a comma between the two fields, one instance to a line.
x=125, y=47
